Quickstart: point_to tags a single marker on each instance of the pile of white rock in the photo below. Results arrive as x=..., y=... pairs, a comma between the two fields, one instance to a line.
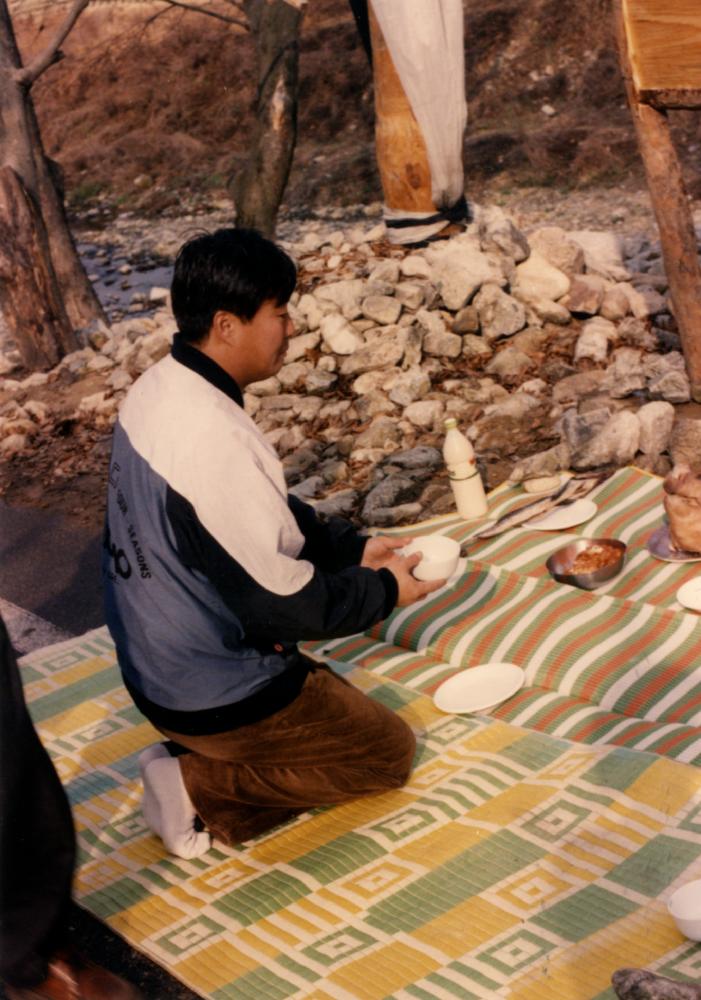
x=557, y=350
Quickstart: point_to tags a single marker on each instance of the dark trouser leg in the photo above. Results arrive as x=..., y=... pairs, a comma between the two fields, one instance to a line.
x=37, y=839
x=332, y=744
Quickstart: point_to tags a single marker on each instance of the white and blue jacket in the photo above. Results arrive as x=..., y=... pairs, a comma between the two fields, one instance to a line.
x=212, y=574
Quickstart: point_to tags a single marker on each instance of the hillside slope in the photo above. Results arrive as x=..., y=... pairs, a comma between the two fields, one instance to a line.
x=152, y=103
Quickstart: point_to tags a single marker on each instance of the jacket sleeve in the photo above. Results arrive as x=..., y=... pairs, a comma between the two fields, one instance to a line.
x=331, y=545
x=239, y=532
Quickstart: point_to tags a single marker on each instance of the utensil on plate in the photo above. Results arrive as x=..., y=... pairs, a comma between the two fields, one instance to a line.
x=574, y=489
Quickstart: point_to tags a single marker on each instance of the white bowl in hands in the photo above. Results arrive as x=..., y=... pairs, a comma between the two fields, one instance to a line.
x=439, y=556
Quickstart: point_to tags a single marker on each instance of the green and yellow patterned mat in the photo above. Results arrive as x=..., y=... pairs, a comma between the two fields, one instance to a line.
x=515, y=864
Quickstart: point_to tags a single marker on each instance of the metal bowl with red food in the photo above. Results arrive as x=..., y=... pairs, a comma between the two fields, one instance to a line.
x=588, y=562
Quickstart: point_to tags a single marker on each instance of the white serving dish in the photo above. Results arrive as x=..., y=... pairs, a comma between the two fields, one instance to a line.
x=689, y=594
x=568, y=516
x=685, y=908
x=478, y=688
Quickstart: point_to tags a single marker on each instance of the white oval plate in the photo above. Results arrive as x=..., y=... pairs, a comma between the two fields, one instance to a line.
x=689, y=594
x=479, y=687
x=565, y=517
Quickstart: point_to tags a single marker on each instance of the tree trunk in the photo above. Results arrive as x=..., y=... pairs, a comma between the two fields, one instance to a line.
x=29, y=298
x=258, y=190
x=79, y=299
x=22, y=151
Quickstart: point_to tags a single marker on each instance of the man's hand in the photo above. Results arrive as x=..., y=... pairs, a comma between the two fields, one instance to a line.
x=410, y=589
x=380, y=549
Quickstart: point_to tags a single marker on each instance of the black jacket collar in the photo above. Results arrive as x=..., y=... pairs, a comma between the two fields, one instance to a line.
x=198, y=362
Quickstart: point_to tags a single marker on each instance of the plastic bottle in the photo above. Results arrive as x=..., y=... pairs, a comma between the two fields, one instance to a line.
x=465, y=479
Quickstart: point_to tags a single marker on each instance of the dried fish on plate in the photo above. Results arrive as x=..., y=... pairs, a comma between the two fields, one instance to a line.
x=574, y=489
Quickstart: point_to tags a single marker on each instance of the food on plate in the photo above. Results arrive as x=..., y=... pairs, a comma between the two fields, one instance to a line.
x=598, y=555
x=542, y=484
x=682, y=503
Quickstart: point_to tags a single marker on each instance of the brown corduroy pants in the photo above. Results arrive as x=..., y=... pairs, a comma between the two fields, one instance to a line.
x=330, y=745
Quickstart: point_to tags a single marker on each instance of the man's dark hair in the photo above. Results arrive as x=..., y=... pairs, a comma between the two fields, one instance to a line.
x=235, y=270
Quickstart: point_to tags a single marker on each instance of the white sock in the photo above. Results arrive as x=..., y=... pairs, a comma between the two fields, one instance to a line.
x=168, y=810
x=153, y=752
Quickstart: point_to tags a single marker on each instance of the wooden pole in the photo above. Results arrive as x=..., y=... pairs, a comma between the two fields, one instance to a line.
x=402, y=159
x=671, y=207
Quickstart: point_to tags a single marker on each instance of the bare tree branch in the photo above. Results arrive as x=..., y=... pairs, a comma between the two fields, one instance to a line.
x=154, y=17
x=27, y=75
x=209, y=13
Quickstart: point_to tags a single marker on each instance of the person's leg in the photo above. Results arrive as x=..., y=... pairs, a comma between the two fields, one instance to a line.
x=37, y=841
x=37, y=857
x=330, y=745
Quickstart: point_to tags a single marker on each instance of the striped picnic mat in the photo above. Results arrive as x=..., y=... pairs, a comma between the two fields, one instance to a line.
x=619, y=665
x=513, y=865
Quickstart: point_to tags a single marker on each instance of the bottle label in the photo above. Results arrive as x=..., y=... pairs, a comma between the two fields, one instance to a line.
x=461, y=479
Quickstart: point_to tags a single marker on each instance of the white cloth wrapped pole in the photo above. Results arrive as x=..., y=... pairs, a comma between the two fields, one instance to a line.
x=425, y=40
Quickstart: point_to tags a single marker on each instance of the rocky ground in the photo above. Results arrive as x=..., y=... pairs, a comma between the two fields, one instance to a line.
x=545, y=329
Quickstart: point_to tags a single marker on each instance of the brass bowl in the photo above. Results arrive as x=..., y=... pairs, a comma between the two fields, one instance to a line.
x=560, y=561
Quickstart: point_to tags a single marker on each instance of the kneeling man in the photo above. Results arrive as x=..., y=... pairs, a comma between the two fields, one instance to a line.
x=213, y=574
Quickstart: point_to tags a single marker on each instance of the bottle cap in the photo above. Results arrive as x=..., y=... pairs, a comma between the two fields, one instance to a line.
x=449, y=423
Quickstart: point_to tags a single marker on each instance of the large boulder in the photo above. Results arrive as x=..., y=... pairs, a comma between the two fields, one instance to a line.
x=656, y=422
x=585, y=295
x=603, y=253
x=410, y=386
x=498, y=234
x=384, y=349
x=685, y=443
x=338, y=335
x=553, y=243
x=536, y=279
x=500, y=315
x=381, y=309
x=594, y=340
x=543, y=463
x=616, y=443
x=459, y=269
x=346, y=295
x=510, y=365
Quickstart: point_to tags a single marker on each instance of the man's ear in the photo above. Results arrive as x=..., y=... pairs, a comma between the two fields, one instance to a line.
x=225, y=327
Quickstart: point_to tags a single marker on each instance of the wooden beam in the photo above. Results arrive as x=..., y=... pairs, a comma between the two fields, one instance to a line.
x=664, y=41
x=672, y=100
x=402, y=159
x=671, y=206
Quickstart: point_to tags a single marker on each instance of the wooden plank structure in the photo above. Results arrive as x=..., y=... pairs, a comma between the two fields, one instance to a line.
x=660, y=48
